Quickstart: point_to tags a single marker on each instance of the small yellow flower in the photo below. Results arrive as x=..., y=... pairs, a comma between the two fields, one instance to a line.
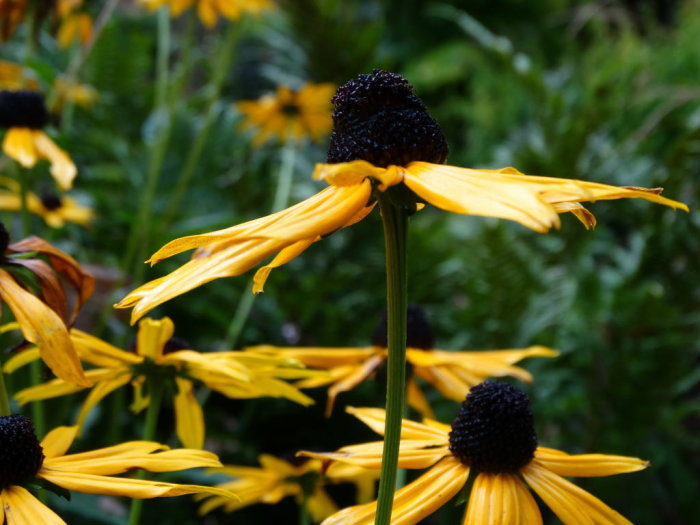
x=44, y=322
x=76, y=27
x=290, y=114
x=209, y=11
x=24, y=460
x=14, y=77
x=55, y=210
x=276, y=479
x=24, y=115
x=493, y=441
x=378, y=119
x=157, y=354
x=451, y=373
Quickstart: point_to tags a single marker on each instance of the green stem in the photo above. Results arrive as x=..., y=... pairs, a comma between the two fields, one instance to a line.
x=284, y=188
x=149, y=434
x=304, y=518
x=395, y=223
x=4, y=399
x=221, y=67
x=140, y=229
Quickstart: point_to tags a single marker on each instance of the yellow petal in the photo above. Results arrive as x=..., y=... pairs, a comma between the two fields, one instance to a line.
x=374, y=418
x=43, y=327
x=101, y=353
x=102, y=389
x=62, y=167
x=17, y=361
x=416, y=399
x=21, y=508
x=587, y=465
x=501, y=499
x=283, y=257
x=19, y=145
x=359, y=374
x=582, y=214
x=415, y=501
x=189, y=418
x=318, y=357
x=59, y=387
x=58, y=441
x=320, y=504
x=152, y=336
x=570, y=503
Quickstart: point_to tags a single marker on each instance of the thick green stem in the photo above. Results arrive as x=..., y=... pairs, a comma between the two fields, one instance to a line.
x=395, y=222
x=149, y=434
x=221, y=67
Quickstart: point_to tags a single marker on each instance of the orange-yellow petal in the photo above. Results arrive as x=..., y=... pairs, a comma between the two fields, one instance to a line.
x=189, y=418
x=21, y=508
x=587, y=465
x=19, y=145
x=501, y=499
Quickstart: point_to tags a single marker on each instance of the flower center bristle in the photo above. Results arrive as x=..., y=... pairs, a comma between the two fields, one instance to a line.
x=493, y=431
x=51, y=201
x=22, y=109
x=419, y=334
x=21, y=455
x=4, y=239
x=379, y=119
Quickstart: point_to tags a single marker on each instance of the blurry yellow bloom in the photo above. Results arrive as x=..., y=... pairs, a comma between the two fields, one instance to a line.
x=290, y=114
x=210, y=10
x=43, y=319
x=493, y=441
x=229, y=373
x=55, y=210
x=74, y=27
x=71, y=91
x=25, y=459
x=377, y=117
x=276, y=479
x=14, y=77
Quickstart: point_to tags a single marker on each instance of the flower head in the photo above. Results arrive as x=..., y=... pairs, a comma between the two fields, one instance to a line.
x=23, y=460
x=452, y=373
x=277, y=478
x=290, y=114
x=43, y=319
x=492, y=439
x=157, y=356
x=24, y=115
x=377, y=120
x=75, y=23
x=209, y=11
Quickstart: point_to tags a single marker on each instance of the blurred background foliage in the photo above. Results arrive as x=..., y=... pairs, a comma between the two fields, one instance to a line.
x=600, y=90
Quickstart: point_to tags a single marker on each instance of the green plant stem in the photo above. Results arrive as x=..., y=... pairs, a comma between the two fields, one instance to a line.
x=4, y=399
x=140, y=229
x=395, y=223
x=304, y=518
x=221, y=67
x=284, y=188
x=149, y=434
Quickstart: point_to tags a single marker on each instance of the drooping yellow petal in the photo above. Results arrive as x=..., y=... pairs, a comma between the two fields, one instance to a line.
x=21, y=508
x=283, y=257
x=43, y=327
x=58, y=441
x=62, y=167
x=587, y=465
x=59, y=387
x=100, y=353
x=358, y=375
x=411, y=430
x=570, y=503
x=320, y=504
x=152, y=336
x=109, y=384
x=17, y=361
x=318, y=357
x=501, y=499
x=189, y=418
x=19, y=145
x=508, y=194
x=415, y=501
x=417, y=400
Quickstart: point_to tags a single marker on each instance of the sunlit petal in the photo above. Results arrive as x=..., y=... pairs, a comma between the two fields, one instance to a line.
x=189, y=418
x=21, y=508
x=587, y=465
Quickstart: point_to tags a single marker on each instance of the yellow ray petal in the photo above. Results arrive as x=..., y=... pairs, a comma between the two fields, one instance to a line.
x=95, y=461
x=118, y=379
x=317, y=357
x=58, y=441
x=587, y=465
x=570, y=503
x=415, y=501
x=17, y=361
x=152, y=336
x=59, y=387
x=358, y=375
x=501, y=499
x=21, y=508
x=283, y=257
x=374, y=418
x=189, y=418
x=19, y=145
x=41, y=326
x=62, y=167
x=320, y=504
x=100, y=353
x=412, y=454
x=417, y=400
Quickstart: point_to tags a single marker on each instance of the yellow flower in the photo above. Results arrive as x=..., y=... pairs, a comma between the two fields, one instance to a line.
x=24, y=114
x=378, y=119
x=451, y=373
x=14, y=77
x=492, y=440
x=55, y=210
x=79, y=94
x=43, y=320
x=158, y=355
x=74, y=27
x=289, y=114
x=276, y=479
x=25, y=460
x=210, y=10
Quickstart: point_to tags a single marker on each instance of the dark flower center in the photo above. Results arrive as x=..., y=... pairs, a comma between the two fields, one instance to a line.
x=379, y=119
x=4, y=240
x=51, y=201
x=418, y=332
x=21, y=455
x=290, y=110
x=493, y=431
x=22, y=109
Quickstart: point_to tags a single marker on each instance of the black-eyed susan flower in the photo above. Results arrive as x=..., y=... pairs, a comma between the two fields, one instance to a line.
x=289, y=114
x=160, y=357
x=451, y=373
x=493, y=441
x=43, y=319
x=24, y=115
x=24, y=460
x=384, y=140
x=277, y=478
x=209, y=11
x=54, y=209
